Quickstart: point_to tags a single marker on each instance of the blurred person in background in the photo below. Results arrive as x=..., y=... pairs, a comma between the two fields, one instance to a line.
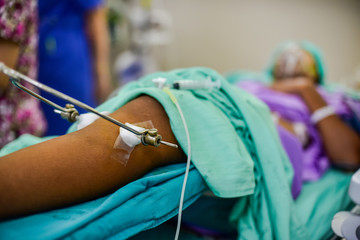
x=19, y=112
x=322, y=121
x=298, y=70
x=73, y=54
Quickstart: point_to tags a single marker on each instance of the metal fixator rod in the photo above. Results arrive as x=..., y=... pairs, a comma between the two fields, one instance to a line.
x=16, y=77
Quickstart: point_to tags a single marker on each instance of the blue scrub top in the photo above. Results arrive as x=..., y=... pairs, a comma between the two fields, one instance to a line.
x=64, y=55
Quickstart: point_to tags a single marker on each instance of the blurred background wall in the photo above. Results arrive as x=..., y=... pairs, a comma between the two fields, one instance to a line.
x=241, y=34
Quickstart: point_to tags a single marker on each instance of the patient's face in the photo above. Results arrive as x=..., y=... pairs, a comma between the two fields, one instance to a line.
x=293, y=63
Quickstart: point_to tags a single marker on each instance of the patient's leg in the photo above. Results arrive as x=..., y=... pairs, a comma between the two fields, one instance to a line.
x=77, y=167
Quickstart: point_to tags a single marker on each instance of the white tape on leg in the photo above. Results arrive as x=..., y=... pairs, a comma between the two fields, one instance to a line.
x=127, y=141
x=86, y=119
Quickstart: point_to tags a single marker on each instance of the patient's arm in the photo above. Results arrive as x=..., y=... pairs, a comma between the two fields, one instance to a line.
x=77, y=167
x=341, y=143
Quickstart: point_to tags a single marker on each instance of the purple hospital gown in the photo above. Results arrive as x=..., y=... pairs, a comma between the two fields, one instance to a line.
x=19, y=112
x=291, y=107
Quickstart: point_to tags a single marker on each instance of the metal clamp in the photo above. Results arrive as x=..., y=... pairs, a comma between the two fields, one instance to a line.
x=69, y=112
x=151, y=137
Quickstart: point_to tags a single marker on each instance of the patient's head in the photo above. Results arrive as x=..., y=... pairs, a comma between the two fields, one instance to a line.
x=294, y=61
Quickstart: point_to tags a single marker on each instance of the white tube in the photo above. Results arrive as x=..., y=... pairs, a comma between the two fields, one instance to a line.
x=189, y=84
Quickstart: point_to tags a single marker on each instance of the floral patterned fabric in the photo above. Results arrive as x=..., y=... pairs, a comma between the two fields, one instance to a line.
x=19, y=112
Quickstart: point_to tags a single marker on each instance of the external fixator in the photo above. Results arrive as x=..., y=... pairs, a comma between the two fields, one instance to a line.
x=69, y=112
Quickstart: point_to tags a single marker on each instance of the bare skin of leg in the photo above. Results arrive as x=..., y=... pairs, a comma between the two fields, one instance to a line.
x=77, y=167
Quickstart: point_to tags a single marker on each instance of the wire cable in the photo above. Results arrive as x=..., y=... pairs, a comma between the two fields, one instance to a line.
x=167, y=90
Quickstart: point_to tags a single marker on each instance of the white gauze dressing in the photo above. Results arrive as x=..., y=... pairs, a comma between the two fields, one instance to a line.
x=86, y=119
x=127, y=141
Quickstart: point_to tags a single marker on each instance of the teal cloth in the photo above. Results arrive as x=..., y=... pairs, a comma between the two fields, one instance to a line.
x=319, y=201
x=218, y=153
x=269, y=213
x=316, y=206
x=234, y=77
x=235, y=148
x=138, y=206
x=234, y=142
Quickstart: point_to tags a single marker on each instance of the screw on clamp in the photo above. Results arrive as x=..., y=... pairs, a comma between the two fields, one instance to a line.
x=69, y=113
x=151, y=137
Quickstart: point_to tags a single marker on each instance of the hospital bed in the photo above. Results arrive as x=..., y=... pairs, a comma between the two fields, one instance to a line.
x=144, y=208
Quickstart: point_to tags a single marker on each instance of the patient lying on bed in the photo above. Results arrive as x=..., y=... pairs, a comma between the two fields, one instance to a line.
x=78, y=167
x=296, y=93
